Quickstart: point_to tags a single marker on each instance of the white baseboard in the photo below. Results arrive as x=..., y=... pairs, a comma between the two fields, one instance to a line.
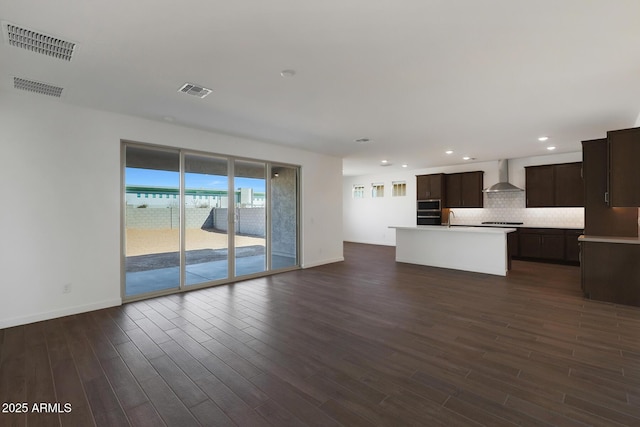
x=323, y=262
x=23, y=320
x=365, y=242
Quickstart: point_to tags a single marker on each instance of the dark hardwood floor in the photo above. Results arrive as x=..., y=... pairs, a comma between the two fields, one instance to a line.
x=363, y=342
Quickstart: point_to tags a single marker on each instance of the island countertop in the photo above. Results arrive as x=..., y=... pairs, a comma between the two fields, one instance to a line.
x=523, y=225
x=457, y=229
x=479, y=249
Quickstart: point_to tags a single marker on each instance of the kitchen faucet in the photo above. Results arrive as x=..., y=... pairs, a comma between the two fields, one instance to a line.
x=451, y=214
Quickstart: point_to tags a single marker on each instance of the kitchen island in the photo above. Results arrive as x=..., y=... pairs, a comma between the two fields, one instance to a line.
x=479, y=249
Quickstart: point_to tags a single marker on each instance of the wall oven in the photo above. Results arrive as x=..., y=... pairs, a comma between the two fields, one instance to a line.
x=429, y=212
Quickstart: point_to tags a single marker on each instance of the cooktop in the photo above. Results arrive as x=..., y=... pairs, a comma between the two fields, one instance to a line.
x=501, y=223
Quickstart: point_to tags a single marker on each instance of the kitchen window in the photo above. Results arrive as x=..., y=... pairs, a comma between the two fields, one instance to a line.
x=377, y=190
x=358, y=191
x=399, y=189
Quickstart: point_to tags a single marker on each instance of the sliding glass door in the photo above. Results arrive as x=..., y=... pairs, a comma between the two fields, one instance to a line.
x=284, y=216
x=193, y=219
x=152, y=220
x=206, y=223
x=250, y=217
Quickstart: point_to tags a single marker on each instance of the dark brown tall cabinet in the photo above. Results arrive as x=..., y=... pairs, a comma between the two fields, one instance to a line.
x=430, y=186
x=609, y=249
x=599, y=218
x=557, y=185
x=457, y=190
x=464, y=190
x=624, y=173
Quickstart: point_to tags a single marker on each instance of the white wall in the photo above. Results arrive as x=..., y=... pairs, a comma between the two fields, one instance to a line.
x=52, y=152
x=367, y=220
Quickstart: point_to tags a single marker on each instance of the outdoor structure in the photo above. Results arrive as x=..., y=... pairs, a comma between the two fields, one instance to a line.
x=149, y=196
x=249, y=221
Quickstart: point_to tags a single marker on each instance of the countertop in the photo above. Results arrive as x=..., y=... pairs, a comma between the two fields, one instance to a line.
x=457, y=229
x=610, y=239
x=472, y=224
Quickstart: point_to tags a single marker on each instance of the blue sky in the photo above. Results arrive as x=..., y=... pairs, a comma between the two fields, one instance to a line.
x=159, y=178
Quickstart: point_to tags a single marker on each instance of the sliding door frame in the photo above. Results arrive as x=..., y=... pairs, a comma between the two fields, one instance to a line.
x=231, y=258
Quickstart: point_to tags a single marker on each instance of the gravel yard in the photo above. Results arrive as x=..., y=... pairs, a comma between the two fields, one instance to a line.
x=144, y=242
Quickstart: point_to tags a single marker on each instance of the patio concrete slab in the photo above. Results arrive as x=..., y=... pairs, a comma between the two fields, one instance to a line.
x=141, y=282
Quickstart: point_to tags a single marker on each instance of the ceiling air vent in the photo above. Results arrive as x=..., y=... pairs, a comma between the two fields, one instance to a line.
x=195, y=90
x=37, y=87
x=38, y=42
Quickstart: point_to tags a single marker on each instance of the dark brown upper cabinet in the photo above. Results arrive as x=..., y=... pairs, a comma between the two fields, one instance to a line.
x=430, y=186
x=600, y=219
x=453, y=188
x=624, y=173
x=555, y=186
x=569, y=188
x=464, y=190
x=540, y=185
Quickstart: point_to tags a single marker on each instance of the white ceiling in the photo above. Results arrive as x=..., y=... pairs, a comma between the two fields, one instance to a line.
x=484, y=78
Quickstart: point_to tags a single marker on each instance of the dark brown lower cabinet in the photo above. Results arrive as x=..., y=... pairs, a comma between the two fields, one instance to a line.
x=530, y=245
x=544, y=243
x=572, y=246
x=611, y=272
x=548, y=244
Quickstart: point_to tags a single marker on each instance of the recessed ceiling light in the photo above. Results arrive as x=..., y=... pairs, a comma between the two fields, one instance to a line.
x=288, y=73
x=448, y=152
x=551, y=148
x=405, y=165
x=466, y=158
x=543, y=138
x=385, y=161
x=362, y=140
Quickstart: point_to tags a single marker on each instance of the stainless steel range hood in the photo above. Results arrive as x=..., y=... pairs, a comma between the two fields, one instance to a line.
x=503, y=186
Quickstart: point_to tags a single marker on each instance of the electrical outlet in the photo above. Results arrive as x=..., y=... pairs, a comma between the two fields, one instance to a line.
x=66, y=288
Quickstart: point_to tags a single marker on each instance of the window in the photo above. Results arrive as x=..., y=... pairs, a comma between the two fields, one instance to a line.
x=358, y=191
x=377, y=190
x=399, y=188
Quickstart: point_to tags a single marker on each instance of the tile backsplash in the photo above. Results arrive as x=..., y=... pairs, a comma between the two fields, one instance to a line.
x=511, y=207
